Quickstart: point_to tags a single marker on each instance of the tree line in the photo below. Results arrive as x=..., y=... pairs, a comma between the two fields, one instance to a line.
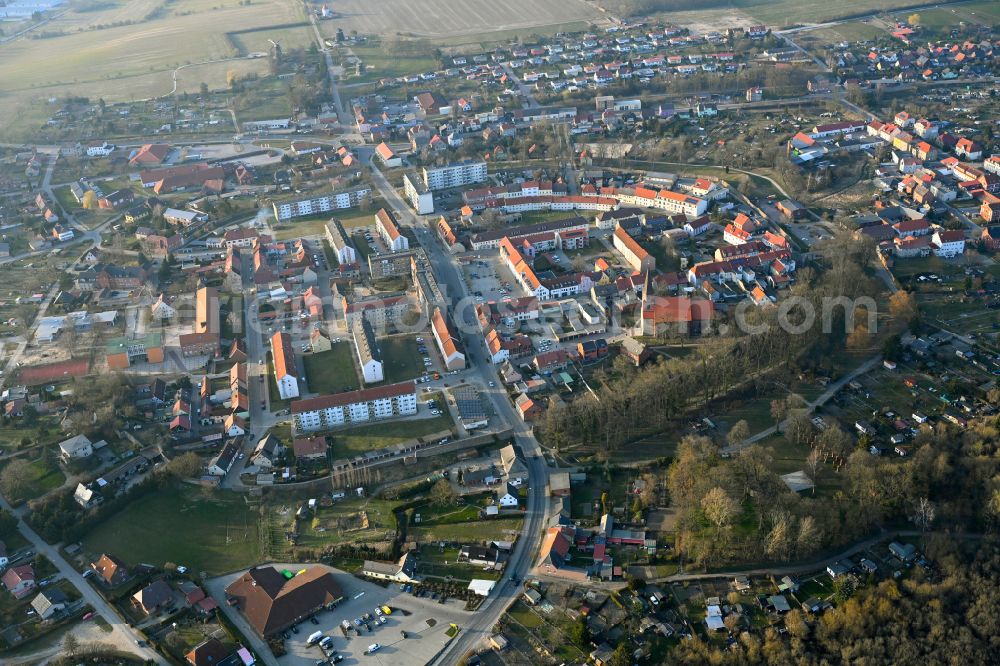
x=653, y=398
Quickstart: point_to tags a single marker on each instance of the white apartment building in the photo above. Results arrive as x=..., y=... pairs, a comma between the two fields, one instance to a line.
x=367, y=351
x=371, y=404
x=341, y=243
x=286, y=210
x=455, y=175
x=421, y=198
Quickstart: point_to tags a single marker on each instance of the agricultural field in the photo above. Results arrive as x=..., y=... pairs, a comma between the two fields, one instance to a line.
x=485, y=41
x=134, y=61
x=259, y=41
x=853, y=31
x=441, y=18
x=220, y=531
x=779, y=13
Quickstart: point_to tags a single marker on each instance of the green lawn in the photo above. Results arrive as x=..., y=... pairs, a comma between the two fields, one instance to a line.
x=340, y=523
x=203, y=530
x=331, y=371
x=300, y=228
x=354, y=218
x=44, y=476
x=400, y=358
x=65, y=197
x=500, y=528
x=380, y=64
x=359, y=440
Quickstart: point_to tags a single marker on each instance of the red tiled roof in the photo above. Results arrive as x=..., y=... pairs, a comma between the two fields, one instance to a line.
x=283, y=356
x=350, y=397
x=388, y=222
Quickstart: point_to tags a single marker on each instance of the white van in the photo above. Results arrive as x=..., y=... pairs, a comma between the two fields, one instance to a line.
x=314, y=638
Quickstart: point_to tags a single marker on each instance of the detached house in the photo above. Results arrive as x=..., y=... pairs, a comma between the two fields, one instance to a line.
x=76, y=448
x=110, y=570
x=49, y=603
x=19, y=580
x=403, y=571
x=266, y=453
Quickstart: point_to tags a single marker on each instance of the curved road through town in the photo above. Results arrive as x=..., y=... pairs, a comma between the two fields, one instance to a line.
x=506, y=591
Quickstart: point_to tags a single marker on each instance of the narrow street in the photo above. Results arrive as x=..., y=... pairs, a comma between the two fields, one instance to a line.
x=122, y=636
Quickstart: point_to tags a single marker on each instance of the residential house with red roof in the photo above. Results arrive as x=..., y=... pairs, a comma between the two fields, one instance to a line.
x=285, y=370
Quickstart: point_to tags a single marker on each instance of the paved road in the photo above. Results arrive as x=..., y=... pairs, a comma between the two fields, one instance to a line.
x=121, y=634
x=524, y=89
x=505, y=592
x=261, y=418
x=330, y=68
x=831, y=391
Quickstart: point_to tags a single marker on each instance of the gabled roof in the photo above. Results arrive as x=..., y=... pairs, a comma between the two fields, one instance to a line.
x=271, y=602
x=207, y=653
x=282, y=355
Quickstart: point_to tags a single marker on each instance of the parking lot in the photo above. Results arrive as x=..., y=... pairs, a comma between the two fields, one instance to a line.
x=489, y=280
x=424, y=620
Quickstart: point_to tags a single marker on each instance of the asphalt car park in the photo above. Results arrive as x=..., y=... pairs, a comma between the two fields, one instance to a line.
x=423, y=620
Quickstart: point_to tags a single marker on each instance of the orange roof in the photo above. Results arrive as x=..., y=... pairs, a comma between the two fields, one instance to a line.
x=388, y=223
x=673, y=309
x=283, y=357
x=493, y=341
x=630, y=244
x=446, y=231
x=444, y=337
x=207, y=310
x=676, y=196
x=555, y=540
x=384, y=151
x=150, y=153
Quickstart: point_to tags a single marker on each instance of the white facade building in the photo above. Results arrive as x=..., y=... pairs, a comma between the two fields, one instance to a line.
x=455, y=175
x=371, y=404
x=421, y=198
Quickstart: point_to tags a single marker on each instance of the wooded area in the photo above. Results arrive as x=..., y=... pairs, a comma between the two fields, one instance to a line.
x=655, y=397
x=951, y=620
